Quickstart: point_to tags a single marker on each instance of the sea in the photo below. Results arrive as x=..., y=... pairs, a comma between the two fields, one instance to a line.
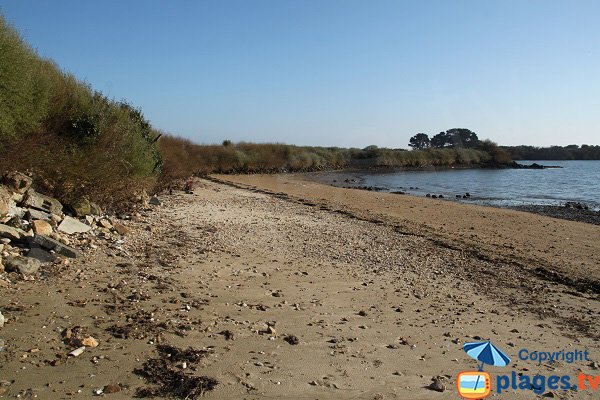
x=576, y=181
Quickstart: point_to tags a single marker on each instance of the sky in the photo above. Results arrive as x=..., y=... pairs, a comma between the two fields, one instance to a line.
x=334, y=72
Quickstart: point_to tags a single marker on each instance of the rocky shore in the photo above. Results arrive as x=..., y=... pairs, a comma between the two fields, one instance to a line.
x=255, y=287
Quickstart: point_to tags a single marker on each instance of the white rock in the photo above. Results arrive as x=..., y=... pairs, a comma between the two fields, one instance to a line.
x=2, y=319
x=70, y=225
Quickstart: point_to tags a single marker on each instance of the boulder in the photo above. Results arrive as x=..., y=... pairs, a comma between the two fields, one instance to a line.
x=70, y=225
x=14, y=234
x=81, y=207
x=38, y=201
x=41, y=227
x=50, y=244
x=23, y=265
x=17, y=181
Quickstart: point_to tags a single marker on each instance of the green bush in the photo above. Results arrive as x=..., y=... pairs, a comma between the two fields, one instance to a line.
x=73, y=139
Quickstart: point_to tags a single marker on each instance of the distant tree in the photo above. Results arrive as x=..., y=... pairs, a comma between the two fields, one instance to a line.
x=227, y=142
x=419, y=141
x=455, y=137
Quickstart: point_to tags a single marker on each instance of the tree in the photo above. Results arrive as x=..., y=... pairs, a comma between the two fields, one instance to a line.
x=419, y=141
x=455, y=137
x=464, y=138
x=440, y=140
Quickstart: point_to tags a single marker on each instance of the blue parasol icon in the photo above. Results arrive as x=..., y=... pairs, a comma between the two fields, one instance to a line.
x=487, y=353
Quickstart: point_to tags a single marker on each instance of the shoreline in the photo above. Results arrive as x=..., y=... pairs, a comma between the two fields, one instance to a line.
x=567, y=210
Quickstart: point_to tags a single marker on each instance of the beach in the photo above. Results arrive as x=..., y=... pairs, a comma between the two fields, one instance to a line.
x=295, y=289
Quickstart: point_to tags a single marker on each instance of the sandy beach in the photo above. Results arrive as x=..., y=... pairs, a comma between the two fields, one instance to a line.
x=293, y=289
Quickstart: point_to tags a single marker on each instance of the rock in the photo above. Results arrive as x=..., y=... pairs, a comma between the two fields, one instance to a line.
x=2, y=319
x=14, y=234
x=50, y=244
x=89, y=342
x=41, y=255
x=105, y=223
x=17, y=181
x=70, y=225
x=6, y=201
x=292, y=339
x=33, y=214
x=36, y=200
x=154, y=201
x=81, y=207
x=112, y=388
x=120, y=228
x=41, y=227
x=1, y=263
x=95, y=209
x=438, y=383
x=23, y=265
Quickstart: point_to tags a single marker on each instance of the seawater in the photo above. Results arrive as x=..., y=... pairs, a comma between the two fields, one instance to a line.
x=575, y=181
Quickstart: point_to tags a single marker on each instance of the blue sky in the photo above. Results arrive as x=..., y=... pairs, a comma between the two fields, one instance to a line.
x=345, y=73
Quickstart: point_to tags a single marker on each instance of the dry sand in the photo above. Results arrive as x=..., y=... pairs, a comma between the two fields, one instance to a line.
x=381, y=291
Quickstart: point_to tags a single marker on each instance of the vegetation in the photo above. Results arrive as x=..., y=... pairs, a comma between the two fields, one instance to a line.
x=182, y=158
x=571, y=152
x=73, y=139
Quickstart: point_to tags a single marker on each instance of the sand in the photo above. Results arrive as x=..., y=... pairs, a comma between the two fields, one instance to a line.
x=380, y=291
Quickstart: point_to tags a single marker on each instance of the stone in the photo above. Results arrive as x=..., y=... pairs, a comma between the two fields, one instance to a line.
x=105, y=223
x=50, y=244
x=89, y=220
x=41, y=255
x=70, y=225
x=89, y=342
x=2, y=319
x=120, y=228
x=23, y=265
x=14, y=234
x=95, y=209
x=37, y=214
x=17, y=181
x=81, y=207
x=41, y=227
x=112, y=388
x=36, y=200
x=6, y=201
x=155, y=201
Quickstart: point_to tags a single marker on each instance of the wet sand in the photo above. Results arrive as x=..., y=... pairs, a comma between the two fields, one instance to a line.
x=379, y=290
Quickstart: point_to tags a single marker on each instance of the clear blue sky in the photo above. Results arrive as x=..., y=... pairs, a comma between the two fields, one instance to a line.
x=346, y=73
